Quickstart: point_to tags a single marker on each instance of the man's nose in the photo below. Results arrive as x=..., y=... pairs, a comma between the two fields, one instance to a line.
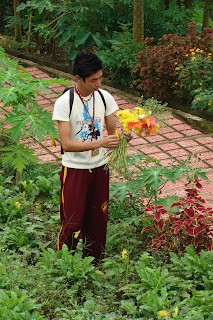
x=98, y=82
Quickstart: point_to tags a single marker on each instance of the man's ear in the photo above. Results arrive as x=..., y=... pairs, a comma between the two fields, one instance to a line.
x=77, y=77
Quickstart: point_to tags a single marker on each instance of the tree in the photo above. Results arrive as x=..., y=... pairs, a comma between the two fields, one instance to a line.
x=178, y=3
x=206, y=14
x=138, y=21
x=167, y=4
x=187, y=3
x=17, y=27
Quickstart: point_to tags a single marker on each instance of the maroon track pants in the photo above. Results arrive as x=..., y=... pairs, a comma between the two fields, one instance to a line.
x=84, y=207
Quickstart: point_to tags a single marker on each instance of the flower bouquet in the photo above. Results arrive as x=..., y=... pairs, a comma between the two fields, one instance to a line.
x=137, y=121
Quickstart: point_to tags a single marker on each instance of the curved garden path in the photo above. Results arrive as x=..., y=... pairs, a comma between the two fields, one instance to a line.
x=176, y=140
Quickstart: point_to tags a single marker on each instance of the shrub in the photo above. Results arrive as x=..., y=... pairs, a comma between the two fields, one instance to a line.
x=156, y=69
x=191, y=223
x=203, y=99
x=195, y=79
x=121, y=57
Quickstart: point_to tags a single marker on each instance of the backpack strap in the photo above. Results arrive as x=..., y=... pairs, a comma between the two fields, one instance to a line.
x=71, y=89
x=102, y=97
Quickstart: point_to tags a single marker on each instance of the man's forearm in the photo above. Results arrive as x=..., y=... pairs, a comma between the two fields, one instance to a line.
x=79, y=146
x=110, y=141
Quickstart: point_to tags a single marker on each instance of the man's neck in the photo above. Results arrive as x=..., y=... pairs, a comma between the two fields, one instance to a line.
x=83, y=92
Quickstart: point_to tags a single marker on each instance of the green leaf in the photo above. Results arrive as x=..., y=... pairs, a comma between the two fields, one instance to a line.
x=67, y=35
x=33, y=119
x=2, y=269
x=97, y=39
x=81, y=37
x=18, y=155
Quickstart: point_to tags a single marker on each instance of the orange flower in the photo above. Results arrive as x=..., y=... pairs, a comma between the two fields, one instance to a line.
x=152, y=121
x=146, y=121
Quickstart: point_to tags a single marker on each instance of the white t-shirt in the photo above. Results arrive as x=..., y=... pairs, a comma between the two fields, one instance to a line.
x=81, y=126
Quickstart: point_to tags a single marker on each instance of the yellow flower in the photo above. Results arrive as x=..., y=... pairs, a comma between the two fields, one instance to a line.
x=163, y=313
x=124, y=254
x=76, y=235
x=18, y=204
x=116, y=133
x=187, y=55
x=210, y=103
x=176, y=63
x=201, y=50
x=175, y=313
x=198, y=98
x=177, y=68
x=193, y=53
x=176, y=83
x=191, y=50
x=193, y=58
x=197, y=50
x=209, y=54
x=53, y=142
x=139, y=110
x=201, y=84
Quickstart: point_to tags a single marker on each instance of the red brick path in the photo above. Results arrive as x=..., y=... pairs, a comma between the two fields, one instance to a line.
x=175, y=142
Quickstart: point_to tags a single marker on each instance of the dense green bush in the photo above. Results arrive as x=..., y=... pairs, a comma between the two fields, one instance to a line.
x=121, y=57
x=157, y=69
x=195, y=78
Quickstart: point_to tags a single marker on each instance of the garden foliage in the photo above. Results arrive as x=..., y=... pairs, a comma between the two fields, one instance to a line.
x=132, y=282
x=22, y=117
x=190, y=223
x=158, y=66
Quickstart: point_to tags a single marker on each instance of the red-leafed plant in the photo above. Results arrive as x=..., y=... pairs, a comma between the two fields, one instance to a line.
x=157, y=66
x=191, y=223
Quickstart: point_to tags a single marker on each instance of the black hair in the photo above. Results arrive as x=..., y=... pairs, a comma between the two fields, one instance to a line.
x=85, y=64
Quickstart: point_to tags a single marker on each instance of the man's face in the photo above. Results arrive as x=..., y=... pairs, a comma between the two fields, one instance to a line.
x=91, y=83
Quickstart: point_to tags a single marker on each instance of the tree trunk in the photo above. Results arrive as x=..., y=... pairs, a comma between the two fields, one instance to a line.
x=138, y=21
x=206, y=14
x=178, y=2
x=187, y=4
x=167, y=4
x=29, y=33
x=17, y=27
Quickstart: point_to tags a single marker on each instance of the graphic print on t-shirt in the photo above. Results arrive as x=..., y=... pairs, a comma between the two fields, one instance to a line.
x=87, y=132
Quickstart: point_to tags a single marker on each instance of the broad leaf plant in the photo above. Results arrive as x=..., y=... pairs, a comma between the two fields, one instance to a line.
x=21, y=114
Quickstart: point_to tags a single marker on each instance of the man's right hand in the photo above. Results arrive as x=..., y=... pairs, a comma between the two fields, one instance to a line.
x=110, y=141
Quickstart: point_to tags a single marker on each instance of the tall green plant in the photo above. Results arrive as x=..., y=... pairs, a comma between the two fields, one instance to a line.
x=74, y=25
x=23, y=116
x=147, y=181
x=195, y=79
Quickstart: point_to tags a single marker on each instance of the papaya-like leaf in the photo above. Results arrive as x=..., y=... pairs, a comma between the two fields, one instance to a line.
x=18, y=155
x=35, y=120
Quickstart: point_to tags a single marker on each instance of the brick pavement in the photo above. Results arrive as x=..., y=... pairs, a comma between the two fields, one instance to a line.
x=175, y=142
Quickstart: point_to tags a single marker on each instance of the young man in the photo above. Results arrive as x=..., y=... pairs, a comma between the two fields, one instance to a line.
x=84, y=181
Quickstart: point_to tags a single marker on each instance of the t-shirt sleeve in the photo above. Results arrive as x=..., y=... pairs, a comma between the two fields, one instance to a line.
x=111, y=105
x=61, y=108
